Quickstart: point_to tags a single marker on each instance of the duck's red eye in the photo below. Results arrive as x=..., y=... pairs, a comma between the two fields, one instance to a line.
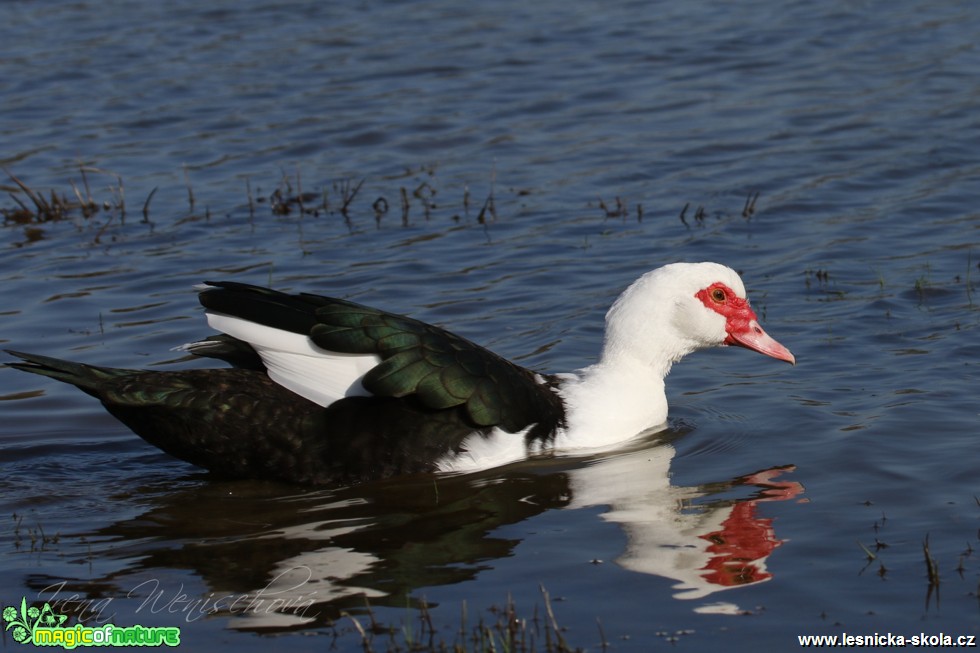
x=722, y=300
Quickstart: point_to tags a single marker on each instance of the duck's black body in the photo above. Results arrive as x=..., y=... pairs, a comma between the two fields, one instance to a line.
x=431, y=391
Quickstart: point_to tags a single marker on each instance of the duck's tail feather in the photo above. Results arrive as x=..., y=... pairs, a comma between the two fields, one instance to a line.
x=85, y=377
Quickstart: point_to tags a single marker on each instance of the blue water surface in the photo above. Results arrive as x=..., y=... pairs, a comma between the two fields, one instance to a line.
x=505, y=170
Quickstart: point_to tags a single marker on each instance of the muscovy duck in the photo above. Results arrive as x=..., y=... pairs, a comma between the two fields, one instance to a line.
x=326, y=391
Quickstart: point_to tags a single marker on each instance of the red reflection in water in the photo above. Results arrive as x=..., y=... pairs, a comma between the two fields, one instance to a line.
x=739, y=549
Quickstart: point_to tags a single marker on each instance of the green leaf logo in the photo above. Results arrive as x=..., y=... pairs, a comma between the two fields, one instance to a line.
x=23, y=622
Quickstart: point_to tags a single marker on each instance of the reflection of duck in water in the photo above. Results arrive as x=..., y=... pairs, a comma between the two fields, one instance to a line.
x=744, y=540
x=331, y=392
x=275, y=557
x=692, y=534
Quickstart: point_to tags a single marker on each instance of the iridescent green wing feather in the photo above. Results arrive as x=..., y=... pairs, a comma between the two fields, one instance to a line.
x=442, y=369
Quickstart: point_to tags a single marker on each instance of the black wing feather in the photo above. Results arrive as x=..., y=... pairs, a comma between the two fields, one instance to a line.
x=442, y=370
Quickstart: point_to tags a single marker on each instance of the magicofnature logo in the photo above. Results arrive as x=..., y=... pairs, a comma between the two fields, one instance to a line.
x=44, y=627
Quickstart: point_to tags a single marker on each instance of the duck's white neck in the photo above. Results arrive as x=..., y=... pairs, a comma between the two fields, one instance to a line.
x=611, y=402
x=622, y=395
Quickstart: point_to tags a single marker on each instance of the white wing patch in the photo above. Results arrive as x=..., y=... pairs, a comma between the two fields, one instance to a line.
x=295, y=363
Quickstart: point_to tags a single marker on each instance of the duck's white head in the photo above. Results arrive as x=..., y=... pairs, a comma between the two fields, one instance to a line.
x=680, y=308
x=663, y=316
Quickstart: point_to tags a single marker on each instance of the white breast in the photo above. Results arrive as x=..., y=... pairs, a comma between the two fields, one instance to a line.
x=486, y=451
